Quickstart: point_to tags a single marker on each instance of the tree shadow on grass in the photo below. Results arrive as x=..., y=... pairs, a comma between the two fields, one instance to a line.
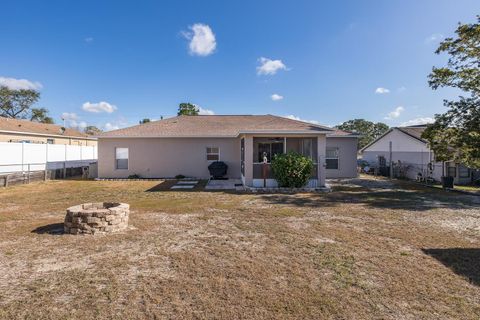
x=401, y=197
x=53, y=229
x=463, y=261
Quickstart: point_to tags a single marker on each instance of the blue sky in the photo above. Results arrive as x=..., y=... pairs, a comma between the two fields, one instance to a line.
x=112, y=63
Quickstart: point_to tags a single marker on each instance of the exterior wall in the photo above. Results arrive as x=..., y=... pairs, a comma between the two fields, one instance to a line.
x=321, y=152
x=401, y=142
x=347, y=157
x=167, y=157
x=12, y=137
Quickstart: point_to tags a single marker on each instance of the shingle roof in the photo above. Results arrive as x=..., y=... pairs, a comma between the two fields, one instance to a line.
x=342, y=133
x=25, y=126
x=414, y=131
x=216, y=126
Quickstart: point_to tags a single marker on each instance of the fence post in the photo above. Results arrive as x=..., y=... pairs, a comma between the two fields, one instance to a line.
x=28, y=174
x=23, y=148
x=65, y=164
x=6, y=180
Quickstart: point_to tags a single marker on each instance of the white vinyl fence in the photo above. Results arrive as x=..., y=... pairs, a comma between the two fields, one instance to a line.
x=22, y=157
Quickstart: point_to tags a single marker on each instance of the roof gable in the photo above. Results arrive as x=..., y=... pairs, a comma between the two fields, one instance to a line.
x=414, y=134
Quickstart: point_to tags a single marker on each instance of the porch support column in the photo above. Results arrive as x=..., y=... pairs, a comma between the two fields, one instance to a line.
x=321, y=153
x=249, y=160
x=284, y=145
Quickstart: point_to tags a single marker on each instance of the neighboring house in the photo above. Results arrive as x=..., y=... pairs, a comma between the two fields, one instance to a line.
x=14, y=130
x=405, y=144
x=186, y=145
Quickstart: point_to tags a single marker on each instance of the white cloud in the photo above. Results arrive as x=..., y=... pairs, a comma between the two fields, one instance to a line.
x=17, y=84
x=276, y=97
x=381, y=90
x=417, y=121
x=436, y=37
x=101, y=106
x=205, y=112
x=401, y=89
x=118, y=123
x=72, y=121
x=88, y=39
x=69, y=116
x=202, y=40
x=291, y=116
x=111, y=126
x=270, y=67
x=395, y=113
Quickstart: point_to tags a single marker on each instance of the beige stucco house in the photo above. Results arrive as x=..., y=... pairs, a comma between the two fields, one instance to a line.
x=15, y=130
x=186, y=145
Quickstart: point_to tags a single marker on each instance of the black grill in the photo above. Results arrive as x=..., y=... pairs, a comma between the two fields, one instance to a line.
x=218, y=169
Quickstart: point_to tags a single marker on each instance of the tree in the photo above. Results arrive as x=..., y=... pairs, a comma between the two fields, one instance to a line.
x=145, y=120
x=92, y=130
x=455, y=135
x=16, y=104
x=187, y=109
x=40, y=115
x=368, y=129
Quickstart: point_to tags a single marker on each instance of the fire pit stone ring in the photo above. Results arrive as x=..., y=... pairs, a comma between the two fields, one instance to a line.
x=97, y=217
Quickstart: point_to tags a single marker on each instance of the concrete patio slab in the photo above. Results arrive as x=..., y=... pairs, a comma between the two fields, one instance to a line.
x=182, y=187
x=230, y=184
x=188, y=182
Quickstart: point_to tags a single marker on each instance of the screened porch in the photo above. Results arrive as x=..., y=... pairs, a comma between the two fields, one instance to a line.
x=271, y=146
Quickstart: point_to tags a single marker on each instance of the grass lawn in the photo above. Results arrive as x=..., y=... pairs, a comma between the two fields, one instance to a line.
x=473, y=189
x=370, y=249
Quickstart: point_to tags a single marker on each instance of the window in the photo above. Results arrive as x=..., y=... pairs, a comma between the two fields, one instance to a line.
x=50, y=141
x=463, y=172
x=332, y=158
x=451, y=169
x=271, y=149
x=121, y=158
x=213, y=153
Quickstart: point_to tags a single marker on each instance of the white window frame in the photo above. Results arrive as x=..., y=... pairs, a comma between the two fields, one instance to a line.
x=330, y=158
x=212, y=153
x=52, y=141
x=128, y=158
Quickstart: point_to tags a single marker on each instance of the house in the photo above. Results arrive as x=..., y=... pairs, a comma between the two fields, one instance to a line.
x=405, y=144
x=15, y=130
x=186, y=145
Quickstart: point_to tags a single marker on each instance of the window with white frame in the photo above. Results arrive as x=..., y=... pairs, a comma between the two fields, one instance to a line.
x=121, y=158
x=331, y=158
x=213, y=153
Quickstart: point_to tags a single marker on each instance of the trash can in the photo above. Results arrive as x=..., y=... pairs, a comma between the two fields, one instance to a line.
x=447, y=182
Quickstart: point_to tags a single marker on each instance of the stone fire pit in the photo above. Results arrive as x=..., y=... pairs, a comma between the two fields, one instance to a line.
x=99, y=217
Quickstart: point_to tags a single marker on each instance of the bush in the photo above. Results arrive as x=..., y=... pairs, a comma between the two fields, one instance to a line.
x=292, y=170
x=134, y=176
x=179, y=176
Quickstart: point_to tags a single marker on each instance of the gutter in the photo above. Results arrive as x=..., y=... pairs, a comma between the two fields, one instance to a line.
x=276, y=132
x=46, y=135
